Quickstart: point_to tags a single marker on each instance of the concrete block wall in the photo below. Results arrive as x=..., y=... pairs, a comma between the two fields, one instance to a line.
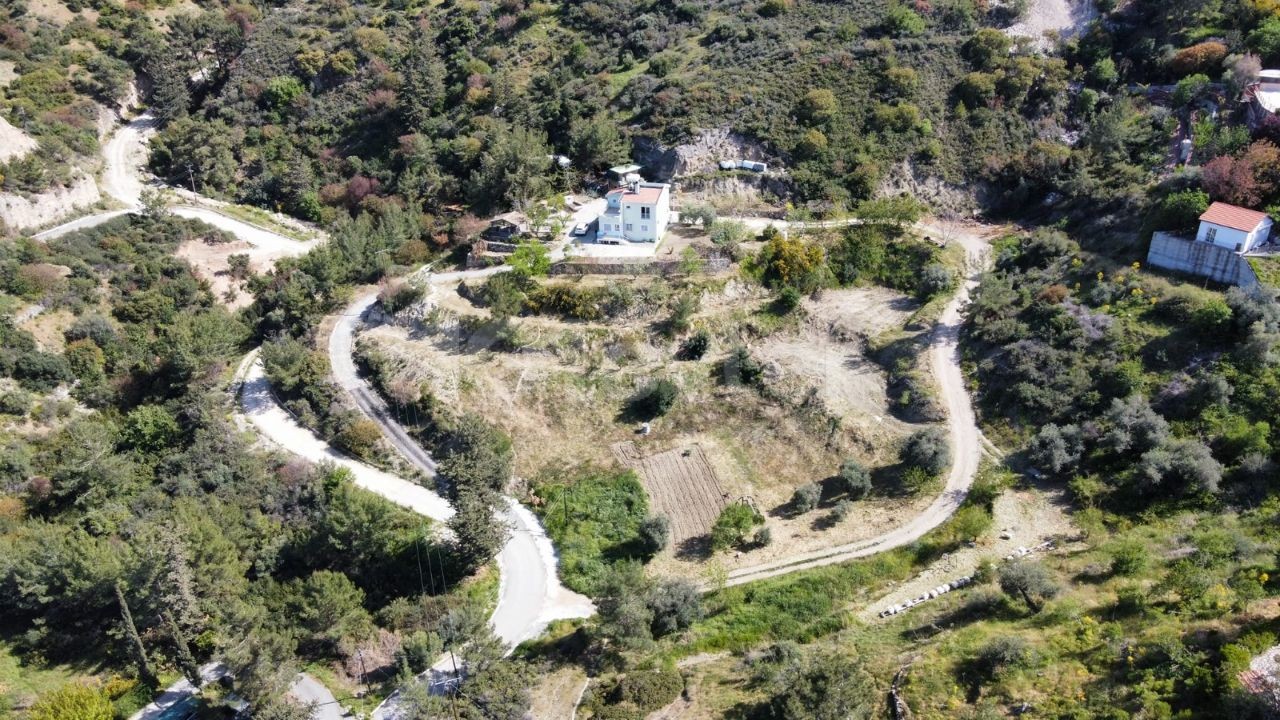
x=1200, y=258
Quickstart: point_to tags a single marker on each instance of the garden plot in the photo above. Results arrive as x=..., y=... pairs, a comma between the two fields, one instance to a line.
x=681, y=484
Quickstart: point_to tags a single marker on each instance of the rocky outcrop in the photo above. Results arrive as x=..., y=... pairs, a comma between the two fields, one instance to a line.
x=941, y=197
x=701, y=155
x=737, y=189
x=19, y=212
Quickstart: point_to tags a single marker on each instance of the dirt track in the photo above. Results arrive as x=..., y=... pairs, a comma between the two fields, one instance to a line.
x=966, y=439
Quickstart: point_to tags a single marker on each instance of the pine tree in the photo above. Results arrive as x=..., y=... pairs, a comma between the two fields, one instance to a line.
x=186, y=661
x=422, y=94
x=145, y=674
x=170, y=97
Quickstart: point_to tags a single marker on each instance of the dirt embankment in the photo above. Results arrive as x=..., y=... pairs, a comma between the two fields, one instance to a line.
x=20, y=213
x=13, y=142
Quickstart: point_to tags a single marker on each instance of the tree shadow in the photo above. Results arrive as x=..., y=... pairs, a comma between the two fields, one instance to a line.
x=697, y=547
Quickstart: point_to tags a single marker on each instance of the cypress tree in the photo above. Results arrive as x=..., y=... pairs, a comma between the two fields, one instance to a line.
x=147, y=677
x=186, y=661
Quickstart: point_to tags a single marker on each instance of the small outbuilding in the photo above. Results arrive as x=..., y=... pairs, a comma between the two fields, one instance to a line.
x=506, y=227
x=1234, y=228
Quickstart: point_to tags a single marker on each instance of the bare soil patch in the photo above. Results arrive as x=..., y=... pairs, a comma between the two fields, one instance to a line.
x=51, y=10
x=211, y=262
x=556, y=693
x=1060, y=18
x=1022, y=517
x=681, y=484
x=48, y=328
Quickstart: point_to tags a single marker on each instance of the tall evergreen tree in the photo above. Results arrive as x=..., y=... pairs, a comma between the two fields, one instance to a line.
x=145, y=674
x=179, y=586
x=186, y=661
x=170, y=97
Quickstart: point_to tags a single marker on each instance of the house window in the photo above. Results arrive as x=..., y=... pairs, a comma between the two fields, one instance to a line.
x=644, y=228
x=1209, y=236
x=645, y=213
x=628, y=227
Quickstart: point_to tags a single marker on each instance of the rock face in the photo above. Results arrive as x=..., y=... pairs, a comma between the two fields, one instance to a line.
x=13, y=142
x=941, y=196
x=701, y=155
x=19, y=213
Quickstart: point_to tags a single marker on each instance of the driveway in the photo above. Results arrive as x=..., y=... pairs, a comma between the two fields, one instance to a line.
x=309, y=691
x=966, y=439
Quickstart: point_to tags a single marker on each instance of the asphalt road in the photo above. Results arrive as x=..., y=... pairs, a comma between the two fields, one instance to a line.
x=530, y=594
x=277, y=425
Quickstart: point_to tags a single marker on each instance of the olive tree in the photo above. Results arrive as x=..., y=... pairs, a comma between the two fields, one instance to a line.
x=928, y=450
x=1029, y=581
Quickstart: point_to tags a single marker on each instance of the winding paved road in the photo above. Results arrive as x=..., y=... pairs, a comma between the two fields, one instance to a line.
x=530, y=594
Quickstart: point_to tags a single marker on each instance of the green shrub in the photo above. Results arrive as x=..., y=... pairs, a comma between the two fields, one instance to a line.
x=648, y=690
x=855, y=481
x=1004, y=653
x=675, y=604
x=927, y=449
x=15, y=402
x=772, y=8
x=399, y=296
x=653, y=400
x=1129, y=557
x=733, y=525
x=655, y=533
x=740, y=368
x=806, y=497
x=695, y=346
x=788, y=300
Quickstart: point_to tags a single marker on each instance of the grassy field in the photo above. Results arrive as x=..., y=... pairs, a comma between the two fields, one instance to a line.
x=1267, y=268
x=593, y=520
x=22, y=683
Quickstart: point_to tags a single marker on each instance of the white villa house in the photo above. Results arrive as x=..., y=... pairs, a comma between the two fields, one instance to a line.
x=1234, y=228
x=637, y=212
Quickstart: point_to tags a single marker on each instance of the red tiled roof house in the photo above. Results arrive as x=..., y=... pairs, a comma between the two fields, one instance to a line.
x=1235, y=228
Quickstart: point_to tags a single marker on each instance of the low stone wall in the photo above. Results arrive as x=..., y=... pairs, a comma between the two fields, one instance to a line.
x=1200, y=258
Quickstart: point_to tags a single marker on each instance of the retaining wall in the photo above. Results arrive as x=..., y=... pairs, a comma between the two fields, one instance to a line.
x=1200, y=258
x=642, y=267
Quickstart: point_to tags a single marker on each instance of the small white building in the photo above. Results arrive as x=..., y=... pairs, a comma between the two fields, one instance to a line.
x=1234, y=228
x=636, y=212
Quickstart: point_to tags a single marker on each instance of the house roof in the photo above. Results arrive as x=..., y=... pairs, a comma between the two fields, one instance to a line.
x=645, y=194
x=1236, y=218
